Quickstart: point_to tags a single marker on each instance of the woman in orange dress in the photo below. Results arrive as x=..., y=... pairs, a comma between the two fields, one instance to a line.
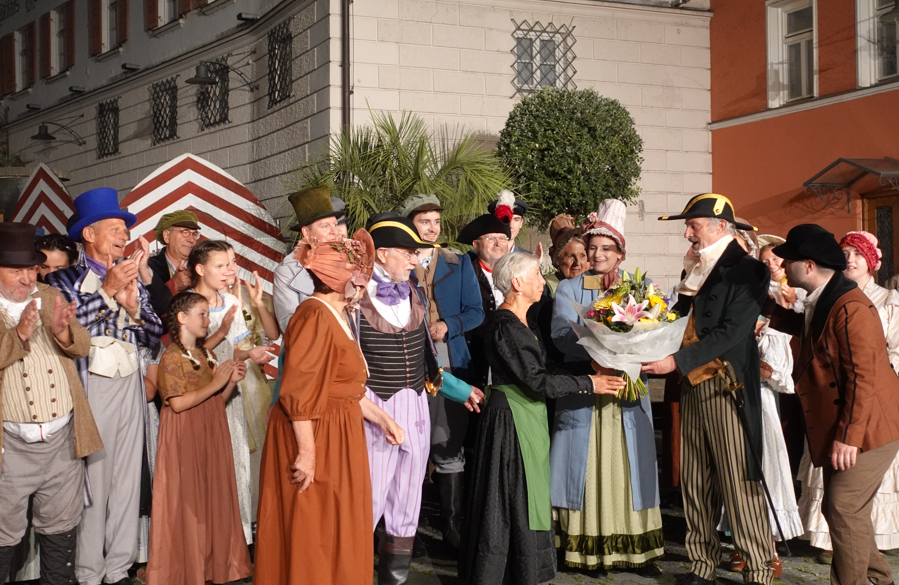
x=195, y=533
x=315, y=503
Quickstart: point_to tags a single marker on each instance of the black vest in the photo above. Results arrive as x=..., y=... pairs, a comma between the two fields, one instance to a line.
x=395, y=360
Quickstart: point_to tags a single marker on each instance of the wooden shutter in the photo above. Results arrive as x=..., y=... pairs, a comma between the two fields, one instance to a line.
x=122, y=25
x=184, y=6
x=95, y=22
x=46, y=46
x=69, y=9
x=30, y=53
x=8, y=64
x=151, y=14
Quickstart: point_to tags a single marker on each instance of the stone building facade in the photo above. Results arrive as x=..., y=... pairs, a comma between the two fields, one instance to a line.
x=457, y=62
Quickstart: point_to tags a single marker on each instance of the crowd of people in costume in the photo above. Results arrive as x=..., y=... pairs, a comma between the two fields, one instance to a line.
x=141, y=437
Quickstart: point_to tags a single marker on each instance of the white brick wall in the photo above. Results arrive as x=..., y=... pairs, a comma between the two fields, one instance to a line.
x=455, y=66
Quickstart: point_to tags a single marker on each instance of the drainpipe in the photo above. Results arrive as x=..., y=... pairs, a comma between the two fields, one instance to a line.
x=345, y=90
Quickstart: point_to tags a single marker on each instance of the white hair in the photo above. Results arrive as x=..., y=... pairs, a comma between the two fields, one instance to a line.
x=513, y=265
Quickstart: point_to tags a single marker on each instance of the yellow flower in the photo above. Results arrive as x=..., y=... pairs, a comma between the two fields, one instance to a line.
x=670, y=316
x=606, y=302
x=657, y=300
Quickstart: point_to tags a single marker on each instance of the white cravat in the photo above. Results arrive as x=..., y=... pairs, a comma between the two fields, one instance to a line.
x=15, y=310
x=698, y=270
x=809, y=304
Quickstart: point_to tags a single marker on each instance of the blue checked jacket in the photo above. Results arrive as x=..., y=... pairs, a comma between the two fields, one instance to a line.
x=98, y=317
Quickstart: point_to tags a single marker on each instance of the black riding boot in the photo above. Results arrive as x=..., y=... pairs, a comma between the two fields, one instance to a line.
x=6, y=555
x=57, y=558
x=450, y=486
x=394, y=559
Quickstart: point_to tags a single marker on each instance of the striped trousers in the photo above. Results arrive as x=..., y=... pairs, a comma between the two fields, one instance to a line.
x=713, y=472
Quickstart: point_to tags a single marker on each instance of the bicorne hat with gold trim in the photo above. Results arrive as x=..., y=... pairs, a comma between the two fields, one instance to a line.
x=392, y=230
x=710, y=205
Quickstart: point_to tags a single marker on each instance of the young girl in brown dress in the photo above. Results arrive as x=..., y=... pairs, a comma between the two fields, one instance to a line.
x=196, y=534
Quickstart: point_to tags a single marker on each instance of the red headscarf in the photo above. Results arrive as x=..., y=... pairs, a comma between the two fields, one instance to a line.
x=866, y=244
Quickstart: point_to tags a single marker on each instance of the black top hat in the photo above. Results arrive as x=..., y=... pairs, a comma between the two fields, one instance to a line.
x=392, y=230
x=17, y=245
x=710, y=205
x=809, y=241
x=482, y=225
x=311, y=205
x=520, y=207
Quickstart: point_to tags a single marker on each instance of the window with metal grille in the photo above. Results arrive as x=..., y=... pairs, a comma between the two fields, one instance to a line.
x=164, y=100
x=8, y=8
x=544, y=56
x=212, y=100
x=280, y=60
x=108, y=128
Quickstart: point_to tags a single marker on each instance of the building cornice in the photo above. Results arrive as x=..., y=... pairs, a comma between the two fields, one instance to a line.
x=804, y=106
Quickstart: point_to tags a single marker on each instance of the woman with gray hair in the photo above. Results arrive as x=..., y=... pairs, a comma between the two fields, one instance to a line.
x=508, y=525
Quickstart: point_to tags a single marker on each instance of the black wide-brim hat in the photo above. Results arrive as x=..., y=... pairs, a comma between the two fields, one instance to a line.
x=481, y=226
x=395, y=231
x=810, y=241
x=312, y=204
x=710, y=205
x=17, y=245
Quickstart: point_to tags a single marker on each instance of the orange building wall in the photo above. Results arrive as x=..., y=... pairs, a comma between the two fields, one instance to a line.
x=836, y=46
x=738, y=58
x=761, y=165
x=739, y=54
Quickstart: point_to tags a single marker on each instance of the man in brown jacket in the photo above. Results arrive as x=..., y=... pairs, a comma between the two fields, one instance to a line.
x=47, y=422
x=849, y=393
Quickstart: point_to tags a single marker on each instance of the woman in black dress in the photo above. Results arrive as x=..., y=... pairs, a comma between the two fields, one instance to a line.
x=508, y=534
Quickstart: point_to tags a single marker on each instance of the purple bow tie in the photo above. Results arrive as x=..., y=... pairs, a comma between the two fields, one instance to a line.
x=391, y=293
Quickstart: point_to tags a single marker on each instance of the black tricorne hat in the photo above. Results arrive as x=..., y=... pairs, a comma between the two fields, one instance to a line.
x=392, y=230
x=520, y=207
x=810, y=241
x=17, y=245
x=710, y=205
x=482, y=225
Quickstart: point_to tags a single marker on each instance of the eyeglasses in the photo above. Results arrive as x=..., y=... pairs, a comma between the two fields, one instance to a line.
x=492, y=239
x=408, y=255
x=189, y=233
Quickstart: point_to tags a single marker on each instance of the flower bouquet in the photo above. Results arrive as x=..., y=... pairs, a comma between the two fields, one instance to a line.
x=630, y=324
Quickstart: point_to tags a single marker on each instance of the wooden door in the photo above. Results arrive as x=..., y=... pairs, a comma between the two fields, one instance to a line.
x=882, y=220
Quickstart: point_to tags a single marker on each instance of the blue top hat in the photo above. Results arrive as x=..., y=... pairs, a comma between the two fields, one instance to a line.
x=95, y=205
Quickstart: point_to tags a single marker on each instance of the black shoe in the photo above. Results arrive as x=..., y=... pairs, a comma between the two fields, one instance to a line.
x=450, y=486
x=694, y=579
x=650, y=571
x=597, y=573
x=394, y=559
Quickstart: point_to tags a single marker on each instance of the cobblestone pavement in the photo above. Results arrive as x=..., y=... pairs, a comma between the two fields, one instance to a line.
x=437, y=568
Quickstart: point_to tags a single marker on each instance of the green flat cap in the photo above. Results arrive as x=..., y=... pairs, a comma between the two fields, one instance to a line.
x=179, y=218
x=420, y=203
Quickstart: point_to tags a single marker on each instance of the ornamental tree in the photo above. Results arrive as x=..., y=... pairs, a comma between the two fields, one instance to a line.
x=569, y=150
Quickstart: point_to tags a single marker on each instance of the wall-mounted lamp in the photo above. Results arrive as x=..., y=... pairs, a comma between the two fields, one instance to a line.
x=203, y=77
x=43, y=134
x=130, y=67
x=34, y=107
x=247, y=17
x=76, y=89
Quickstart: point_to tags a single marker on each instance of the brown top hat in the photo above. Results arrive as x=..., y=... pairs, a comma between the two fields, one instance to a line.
x=17, y=245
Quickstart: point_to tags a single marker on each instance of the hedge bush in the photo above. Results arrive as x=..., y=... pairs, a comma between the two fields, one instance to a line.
x=569, y=150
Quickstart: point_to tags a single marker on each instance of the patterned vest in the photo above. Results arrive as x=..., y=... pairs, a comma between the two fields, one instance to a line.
x=395, y=360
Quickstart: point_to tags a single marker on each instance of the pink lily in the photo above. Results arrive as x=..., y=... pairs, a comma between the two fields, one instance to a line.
x=630, y=313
